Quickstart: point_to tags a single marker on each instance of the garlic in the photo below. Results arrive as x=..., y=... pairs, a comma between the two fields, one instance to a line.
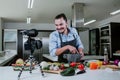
x=56, y=68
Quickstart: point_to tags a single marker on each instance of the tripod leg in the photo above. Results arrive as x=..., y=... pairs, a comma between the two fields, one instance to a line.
x=31, y=60
x=31, y=65
x=20, y=72
x=41, y=70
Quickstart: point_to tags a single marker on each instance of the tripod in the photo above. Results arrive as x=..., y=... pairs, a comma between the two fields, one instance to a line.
x=31, y=59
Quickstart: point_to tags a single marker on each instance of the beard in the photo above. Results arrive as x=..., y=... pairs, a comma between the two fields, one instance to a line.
x=60, y=30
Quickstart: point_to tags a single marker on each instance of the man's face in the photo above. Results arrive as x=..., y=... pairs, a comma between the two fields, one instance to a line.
x=61, y=25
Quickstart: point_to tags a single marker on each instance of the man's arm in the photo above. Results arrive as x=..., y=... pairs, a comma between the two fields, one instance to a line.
x=79, y=43
x=55, y=50
x=80, y=50
x=67, y=47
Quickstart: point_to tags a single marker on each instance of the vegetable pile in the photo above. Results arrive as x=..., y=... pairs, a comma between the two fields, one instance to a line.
x=64, y=68
x=19, y=63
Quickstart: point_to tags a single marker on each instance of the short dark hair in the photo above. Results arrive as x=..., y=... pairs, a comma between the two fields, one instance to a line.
x=62, y=15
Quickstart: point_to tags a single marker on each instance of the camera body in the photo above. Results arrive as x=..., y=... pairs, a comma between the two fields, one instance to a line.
x=34, y=44
x=31, y=43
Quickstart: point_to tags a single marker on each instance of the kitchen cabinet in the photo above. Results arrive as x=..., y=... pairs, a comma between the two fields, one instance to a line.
x=10, y=39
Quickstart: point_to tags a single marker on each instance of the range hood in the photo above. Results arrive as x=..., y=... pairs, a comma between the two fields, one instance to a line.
x=78, y=16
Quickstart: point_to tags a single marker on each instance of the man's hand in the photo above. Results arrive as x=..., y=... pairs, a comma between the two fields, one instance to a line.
x=81, y=51
x=72, y=49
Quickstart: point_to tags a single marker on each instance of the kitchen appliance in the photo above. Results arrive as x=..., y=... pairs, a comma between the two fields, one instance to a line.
x=94, y=41
x=78, y=17
x=45, y=48
x=109, y=39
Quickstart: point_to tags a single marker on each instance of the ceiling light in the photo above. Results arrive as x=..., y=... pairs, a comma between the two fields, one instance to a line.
x=28, y=20
x=30, y=3
x=89, y=22
x=115, y=12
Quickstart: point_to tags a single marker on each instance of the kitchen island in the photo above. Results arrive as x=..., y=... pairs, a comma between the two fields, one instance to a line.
x=7, y=73
x=86, y=57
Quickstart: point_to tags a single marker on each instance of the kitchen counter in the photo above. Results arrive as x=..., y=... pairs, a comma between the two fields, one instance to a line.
x=8, y=56
x=9, y=74
x=50, y=57
x=86, y=57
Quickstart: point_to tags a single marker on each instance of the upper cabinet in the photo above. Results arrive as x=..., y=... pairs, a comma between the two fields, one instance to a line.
x=10, y=39
x=10, y=35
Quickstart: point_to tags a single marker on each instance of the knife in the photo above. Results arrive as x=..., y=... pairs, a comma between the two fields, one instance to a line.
x=81, y=72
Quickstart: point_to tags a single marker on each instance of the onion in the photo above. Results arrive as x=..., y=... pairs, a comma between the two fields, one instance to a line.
x=44, y=64
x=56, y=68
x=19, y=61
x=116, y=62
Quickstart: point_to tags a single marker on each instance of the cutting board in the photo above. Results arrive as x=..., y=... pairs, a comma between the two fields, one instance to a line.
x=113, y=67
x=52, y=71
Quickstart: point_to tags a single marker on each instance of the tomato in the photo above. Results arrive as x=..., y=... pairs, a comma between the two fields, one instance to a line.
x=81, y=66
x=62, y=67
x=73, y=64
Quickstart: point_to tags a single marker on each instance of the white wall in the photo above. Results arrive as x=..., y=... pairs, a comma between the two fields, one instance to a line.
x=84, y=36
x=40, y=26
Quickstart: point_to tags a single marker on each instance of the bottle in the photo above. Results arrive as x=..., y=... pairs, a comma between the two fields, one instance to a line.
x=106, y=55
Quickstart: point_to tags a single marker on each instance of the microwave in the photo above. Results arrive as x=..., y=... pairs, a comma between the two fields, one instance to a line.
x=105, y=31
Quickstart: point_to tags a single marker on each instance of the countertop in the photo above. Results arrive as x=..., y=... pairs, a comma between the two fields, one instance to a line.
x=9, y=74
x=86, y=57
x=8, y=56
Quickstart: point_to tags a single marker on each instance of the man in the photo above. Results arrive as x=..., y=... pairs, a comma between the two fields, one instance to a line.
x=64, y=40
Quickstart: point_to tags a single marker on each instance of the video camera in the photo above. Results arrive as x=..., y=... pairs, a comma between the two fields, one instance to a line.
x=31, y=43
x=30, y=33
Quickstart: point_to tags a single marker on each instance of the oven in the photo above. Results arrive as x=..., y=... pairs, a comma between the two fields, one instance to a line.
x=105, y=31
x=105, y=41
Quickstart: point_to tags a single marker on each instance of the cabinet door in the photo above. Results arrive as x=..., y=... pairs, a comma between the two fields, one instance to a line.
x=10, y=35
x=94, y=41
x=10, y=39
